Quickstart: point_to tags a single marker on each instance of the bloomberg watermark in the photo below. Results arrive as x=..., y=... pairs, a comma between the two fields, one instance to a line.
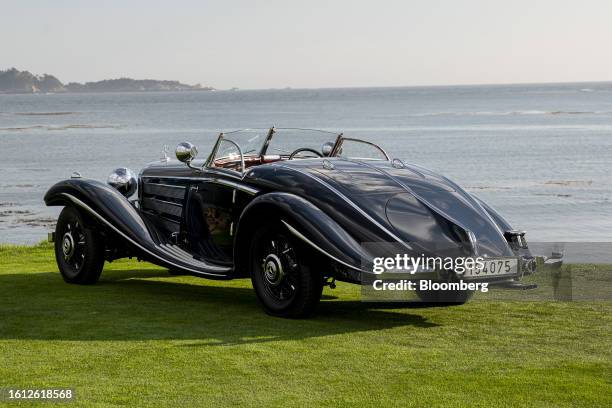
x=429, y=285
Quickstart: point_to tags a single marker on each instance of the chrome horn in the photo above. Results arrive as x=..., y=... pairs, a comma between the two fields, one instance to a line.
x=186, y=152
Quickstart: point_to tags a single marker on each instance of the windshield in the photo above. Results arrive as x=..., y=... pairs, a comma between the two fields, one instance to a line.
x=251, y=141
x=241, y=149
x=359, y=149
x=286, y=141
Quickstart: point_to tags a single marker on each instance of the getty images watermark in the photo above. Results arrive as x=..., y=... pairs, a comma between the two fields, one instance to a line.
x=404, y=263
x=547, y=271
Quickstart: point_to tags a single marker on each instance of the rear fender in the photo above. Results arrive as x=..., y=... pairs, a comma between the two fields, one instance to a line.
x=304, y=221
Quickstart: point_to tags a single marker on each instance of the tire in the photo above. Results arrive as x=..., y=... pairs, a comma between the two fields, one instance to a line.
x=445, y=297
x=79, y=251
x=283, y=274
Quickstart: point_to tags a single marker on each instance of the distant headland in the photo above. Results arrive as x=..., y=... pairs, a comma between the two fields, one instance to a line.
x=13, y=81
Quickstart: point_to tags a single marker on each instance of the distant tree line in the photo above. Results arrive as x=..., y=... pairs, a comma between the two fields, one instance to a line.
x=15, y=81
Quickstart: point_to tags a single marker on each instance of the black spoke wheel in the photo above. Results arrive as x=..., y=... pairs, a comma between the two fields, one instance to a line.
x=284, y=280
x=79, y=251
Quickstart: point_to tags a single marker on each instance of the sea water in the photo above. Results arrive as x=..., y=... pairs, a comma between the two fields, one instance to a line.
x=540, y=154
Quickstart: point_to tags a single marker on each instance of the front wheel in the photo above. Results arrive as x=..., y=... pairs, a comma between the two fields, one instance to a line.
x=284, y=277
x=79, y=251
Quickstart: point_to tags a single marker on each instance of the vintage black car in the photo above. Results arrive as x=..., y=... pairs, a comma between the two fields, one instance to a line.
x=293, y=218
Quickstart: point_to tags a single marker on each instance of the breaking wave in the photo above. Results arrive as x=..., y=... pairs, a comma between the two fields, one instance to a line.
x=44, y=113
x=61, y=127
x=569, y=183
x=512, y=113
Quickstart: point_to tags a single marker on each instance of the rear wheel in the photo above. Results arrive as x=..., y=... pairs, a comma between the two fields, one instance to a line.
x=283, y=274
x=79, y=251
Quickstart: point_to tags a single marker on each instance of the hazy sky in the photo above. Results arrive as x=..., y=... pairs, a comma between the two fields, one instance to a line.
x=311, y=43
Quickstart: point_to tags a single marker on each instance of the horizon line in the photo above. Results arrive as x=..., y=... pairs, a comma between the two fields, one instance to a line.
x=420, y=86
x=289, y=87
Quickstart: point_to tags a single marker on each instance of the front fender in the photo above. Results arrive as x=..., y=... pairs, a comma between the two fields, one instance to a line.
x=307, y=223
x=115, y=213
x=105, y=201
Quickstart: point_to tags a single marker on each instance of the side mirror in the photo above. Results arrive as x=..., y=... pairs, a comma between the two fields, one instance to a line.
x=327, y=148
x=186, y=152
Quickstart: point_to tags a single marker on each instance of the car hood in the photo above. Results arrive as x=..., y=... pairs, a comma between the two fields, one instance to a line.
x=423, y=209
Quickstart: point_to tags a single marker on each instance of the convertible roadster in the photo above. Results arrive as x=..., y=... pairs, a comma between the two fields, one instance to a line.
x=293, y=209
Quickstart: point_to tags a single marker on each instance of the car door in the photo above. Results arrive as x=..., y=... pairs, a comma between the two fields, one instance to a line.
x=217, y=195
x=210, y=218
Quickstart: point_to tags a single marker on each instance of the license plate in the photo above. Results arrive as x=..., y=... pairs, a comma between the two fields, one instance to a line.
x=493, y=267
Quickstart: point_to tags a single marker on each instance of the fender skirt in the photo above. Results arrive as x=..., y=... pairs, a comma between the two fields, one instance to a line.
x=115, y=213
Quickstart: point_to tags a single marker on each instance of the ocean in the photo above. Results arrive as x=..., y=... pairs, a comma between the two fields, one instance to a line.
x=540, y=154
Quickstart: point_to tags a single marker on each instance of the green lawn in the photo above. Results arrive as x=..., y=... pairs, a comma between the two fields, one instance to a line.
x=144, y=338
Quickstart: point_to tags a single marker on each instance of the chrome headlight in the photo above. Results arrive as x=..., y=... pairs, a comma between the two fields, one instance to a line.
x=124, y=180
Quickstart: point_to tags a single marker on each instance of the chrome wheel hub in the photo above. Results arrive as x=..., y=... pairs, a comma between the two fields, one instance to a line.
x=273, y=270
x=68, y=246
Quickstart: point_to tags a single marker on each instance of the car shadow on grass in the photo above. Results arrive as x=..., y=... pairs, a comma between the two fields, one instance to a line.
x=150, y=305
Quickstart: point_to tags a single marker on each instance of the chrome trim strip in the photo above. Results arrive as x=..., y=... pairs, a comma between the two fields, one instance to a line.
x=413, y=168
x=473, y=240
x=238, y=186
x=469, y=196
x=318, y=248
x=222, y=270
x=166, y=185
x=241, y=187
x=225, y=172
x=352, y=204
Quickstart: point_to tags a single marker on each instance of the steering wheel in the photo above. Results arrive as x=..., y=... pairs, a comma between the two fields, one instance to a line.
x=304, y=149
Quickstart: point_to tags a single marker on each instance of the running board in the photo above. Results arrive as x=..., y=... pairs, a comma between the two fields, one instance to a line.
x=177, y=255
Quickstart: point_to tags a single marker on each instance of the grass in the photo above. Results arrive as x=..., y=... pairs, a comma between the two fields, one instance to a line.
x=144, y=338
